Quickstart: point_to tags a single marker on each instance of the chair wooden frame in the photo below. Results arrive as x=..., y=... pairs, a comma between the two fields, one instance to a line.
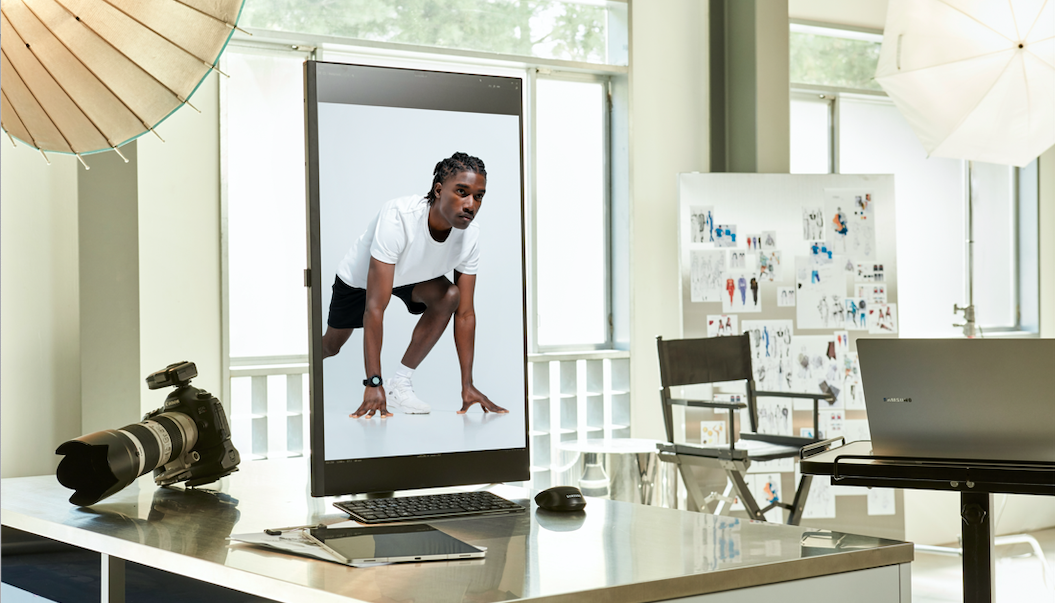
x=724, y=359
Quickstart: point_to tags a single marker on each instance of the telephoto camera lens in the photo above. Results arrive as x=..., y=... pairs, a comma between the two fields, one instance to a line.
x=101, y=463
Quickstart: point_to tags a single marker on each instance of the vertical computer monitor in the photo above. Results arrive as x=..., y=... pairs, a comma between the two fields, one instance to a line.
x=375, y=134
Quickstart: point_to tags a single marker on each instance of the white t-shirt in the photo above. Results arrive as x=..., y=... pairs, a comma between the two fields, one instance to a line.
x=399, y=235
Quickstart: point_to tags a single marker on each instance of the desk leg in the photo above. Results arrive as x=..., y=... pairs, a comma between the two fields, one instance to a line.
x=113, y=579
x=977, y=531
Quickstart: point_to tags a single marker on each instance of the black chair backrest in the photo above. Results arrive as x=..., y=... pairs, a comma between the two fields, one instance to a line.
x=708, y=360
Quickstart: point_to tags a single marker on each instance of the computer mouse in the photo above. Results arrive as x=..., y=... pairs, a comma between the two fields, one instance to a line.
x=561, y=498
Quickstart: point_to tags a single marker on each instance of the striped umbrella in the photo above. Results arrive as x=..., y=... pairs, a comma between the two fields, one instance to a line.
x=84, y=76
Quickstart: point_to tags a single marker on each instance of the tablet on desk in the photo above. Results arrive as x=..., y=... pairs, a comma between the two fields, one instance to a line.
x=394, y=544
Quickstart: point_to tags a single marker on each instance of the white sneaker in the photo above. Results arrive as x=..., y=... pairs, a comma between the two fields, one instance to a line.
x=400, y=396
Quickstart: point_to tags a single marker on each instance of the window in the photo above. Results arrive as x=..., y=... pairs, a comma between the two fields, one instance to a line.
x=966, y=231
x=810, y=128
x=571, y=268
x=592, y=31
x=266, y=247
x=839, y=58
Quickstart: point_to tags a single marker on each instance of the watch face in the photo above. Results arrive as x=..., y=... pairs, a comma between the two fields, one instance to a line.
x=374, y=381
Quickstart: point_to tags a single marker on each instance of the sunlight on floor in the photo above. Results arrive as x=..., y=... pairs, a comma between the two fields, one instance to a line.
x=1019, y=575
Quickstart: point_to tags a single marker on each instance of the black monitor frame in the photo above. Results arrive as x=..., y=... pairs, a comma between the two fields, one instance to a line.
x=408, y=88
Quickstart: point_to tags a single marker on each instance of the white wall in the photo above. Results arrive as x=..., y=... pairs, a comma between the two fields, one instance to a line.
x=40, y=347
x=179, y=281
x=668, y=135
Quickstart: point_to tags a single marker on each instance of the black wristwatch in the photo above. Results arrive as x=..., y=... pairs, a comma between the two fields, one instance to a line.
x=374, y=381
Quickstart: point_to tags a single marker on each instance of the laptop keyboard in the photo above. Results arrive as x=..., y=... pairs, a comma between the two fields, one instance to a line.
x=431, y=506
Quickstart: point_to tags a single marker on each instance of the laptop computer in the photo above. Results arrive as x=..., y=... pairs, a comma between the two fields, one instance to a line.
x=976, y=399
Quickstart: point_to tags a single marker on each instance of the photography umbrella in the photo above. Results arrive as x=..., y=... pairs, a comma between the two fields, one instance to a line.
x=83, y=76
x=974, y=78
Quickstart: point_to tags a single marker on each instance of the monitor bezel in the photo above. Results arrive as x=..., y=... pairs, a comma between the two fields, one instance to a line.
x=439, y=90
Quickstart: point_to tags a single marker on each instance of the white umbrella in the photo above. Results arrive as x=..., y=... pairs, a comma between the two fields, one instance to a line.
x=82, y=76
x=974, y=78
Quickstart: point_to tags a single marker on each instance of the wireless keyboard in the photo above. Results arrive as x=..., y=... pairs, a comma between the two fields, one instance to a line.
x=432, y=506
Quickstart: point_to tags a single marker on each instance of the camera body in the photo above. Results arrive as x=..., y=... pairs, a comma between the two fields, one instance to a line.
x=213, y=455
x=186, y=440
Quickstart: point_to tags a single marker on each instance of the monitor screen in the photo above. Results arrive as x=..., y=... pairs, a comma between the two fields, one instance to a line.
x=374, y=138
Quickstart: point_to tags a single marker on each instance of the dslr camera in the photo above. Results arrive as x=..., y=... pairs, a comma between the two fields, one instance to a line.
x=186, y=440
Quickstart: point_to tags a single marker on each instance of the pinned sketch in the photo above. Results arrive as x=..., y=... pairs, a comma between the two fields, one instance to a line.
x=850, y=223
x=854, y=390
x=741, y=293
x=737, y=260
x=729, y=398
x=769, y=239
x=857, y=314
x=707, y=275
x=847, y=264
x=881, y=501
x=842, y=344
x=869, y=272
x=873, y=292
x=769, y=266
x=821, y=295
x=725, y=235
x=882, y=319
x=766, y=488
x=701, y=221
x=774, y=417
x=785, y=296
x=753, y=242
x=812, y=223
x=770, y=353
x=820, y=503
x=832, y=423
x=722, y=325
x=821, y=253
x=856, y=430
x=713, y=433
x=816, y=369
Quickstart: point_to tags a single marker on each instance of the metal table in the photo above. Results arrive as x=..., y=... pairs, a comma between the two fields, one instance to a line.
x=854, y=464
x=626, y=469
x=614, y=552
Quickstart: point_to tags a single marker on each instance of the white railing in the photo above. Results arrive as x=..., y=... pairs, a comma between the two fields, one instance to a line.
x=269, y=406
x=573, y=396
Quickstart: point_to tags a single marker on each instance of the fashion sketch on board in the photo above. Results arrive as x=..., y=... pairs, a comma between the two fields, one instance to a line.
x=722, y=325
x=812, y=223
x=706, y=274
x=701, y=224
x=850, y=223
x=770, y=353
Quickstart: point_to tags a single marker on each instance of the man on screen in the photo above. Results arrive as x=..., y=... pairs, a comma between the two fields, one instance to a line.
x=406, y=251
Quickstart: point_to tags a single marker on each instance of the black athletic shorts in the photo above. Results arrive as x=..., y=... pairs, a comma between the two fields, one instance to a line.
x=349, y=303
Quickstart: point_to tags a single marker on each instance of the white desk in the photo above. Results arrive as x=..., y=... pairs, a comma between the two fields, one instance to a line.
x=615, y=552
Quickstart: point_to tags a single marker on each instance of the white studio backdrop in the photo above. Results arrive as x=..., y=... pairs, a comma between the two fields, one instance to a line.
x=367, y=156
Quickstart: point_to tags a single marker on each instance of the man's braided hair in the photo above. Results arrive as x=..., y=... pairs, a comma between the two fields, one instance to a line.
x=455, y=164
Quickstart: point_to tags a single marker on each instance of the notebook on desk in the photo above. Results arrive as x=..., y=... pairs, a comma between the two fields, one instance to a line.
x=977, y=399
